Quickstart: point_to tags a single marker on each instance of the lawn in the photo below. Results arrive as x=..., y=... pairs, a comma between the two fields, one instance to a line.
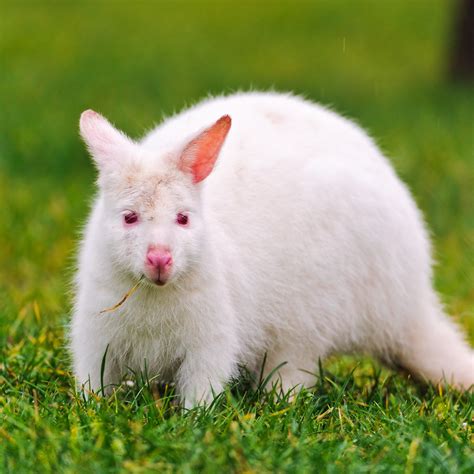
x=381, y=63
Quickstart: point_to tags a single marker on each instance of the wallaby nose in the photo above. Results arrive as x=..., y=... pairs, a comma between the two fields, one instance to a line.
x=159, y=258
x=158, y=264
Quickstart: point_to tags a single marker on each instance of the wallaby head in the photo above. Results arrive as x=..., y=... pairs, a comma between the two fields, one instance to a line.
x=151, y=215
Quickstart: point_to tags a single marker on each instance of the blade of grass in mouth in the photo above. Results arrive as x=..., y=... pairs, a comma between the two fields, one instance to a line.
x=124, y=297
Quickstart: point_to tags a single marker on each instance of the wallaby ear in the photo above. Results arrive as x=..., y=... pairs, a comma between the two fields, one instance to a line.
x=104, y=141
x=200, y=154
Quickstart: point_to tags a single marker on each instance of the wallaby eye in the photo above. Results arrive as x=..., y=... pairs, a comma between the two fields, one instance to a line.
x=182, y=219
x=130, y=218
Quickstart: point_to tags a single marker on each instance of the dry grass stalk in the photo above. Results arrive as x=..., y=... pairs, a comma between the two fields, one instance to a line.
x=124, y=297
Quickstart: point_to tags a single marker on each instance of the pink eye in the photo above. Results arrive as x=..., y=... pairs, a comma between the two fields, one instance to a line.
x=182, y=219
x=130, y=218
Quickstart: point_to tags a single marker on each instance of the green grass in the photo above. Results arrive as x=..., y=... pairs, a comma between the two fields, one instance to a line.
x=382, y=63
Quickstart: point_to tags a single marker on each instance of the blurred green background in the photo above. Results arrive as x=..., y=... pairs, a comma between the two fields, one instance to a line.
x=382, y=63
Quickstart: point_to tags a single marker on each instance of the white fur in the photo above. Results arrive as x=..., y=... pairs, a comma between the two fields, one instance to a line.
x=302, y=243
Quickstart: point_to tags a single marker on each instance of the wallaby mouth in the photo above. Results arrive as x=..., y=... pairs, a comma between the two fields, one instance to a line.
x=160, y=282
x=157, y=278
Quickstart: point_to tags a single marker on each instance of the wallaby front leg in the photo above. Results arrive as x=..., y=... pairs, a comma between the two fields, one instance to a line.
x=204, y=373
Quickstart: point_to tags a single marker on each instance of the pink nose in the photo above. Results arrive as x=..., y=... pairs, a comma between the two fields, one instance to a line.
x=159, y=261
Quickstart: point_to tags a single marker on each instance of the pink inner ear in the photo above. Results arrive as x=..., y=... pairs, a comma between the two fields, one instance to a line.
x=200, y=155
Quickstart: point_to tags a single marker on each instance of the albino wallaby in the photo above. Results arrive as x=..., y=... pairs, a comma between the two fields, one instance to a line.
x=259, y=223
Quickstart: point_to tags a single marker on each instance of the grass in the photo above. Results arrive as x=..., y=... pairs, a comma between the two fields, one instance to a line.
x=382, y=63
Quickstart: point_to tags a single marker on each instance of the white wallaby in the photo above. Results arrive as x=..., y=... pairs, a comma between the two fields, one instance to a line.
x=278, y=229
